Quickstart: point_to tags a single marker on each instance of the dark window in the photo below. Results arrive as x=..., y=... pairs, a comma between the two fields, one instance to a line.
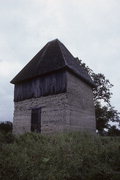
x=36, y=120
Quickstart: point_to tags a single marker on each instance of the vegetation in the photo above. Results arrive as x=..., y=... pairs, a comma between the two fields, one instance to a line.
x=113, y=131
x=70, y=156
x=6, y=127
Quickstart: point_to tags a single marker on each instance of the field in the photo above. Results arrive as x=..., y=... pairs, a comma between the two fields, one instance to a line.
x=69, y=156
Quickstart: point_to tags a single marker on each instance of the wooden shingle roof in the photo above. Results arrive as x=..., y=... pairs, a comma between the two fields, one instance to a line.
x=52, y=57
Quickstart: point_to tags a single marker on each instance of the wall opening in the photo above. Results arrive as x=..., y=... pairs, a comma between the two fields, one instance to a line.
x=36, y=120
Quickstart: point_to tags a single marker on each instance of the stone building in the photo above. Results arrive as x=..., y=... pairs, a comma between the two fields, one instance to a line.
x=53, y=93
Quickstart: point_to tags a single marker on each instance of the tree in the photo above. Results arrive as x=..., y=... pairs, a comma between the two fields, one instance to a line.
x=113, y=131
x=105, y=115
x=102, y=95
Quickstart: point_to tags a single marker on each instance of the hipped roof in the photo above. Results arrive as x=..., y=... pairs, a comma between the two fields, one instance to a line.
x=52, y=57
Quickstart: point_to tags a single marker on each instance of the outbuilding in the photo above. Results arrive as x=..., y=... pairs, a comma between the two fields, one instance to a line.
x=53, y=93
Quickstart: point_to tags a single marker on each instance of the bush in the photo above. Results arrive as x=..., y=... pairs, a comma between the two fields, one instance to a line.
x=6, y=138
x=69, y=156
x=6, y=127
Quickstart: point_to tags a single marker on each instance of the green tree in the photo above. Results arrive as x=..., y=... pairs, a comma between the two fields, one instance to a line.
x=102, y=96
x=113, y=131
x=104, y=115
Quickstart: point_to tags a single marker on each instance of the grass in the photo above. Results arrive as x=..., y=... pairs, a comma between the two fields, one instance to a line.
x=68, y=156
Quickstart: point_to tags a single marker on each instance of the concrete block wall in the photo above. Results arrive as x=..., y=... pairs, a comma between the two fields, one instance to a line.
x=73, y=110
x=53, y=114
x=80, y=104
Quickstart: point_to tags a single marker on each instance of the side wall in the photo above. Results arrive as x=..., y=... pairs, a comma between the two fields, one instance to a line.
x=80, y=104
x=53, y=114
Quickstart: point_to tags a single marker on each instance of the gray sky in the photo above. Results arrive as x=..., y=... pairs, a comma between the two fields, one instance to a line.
x=90, y=29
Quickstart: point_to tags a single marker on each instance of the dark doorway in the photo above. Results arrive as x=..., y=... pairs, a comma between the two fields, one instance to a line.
x=36, y=120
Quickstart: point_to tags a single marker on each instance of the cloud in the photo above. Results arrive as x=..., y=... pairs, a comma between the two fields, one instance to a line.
x=8, y=69
x=89, y=29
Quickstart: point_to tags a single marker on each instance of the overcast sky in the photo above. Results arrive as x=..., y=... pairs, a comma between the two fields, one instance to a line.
x=90, y=29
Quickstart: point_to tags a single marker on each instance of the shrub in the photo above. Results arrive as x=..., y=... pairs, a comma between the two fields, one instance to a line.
x=69, y=156
x=6, y=127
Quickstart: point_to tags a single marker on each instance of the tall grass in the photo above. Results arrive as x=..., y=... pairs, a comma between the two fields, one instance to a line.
x=69, y=156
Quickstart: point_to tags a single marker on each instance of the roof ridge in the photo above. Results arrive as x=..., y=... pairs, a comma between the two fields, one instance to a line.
x=45, y=49
x=59, y=43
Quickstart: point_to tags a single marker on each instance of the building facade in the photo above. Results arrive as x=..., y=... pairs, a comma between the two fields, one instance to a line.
x=53, y=93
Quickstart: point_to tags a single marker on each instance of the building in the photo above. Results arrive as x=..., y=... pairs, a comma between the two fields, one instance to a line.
x=53, y=93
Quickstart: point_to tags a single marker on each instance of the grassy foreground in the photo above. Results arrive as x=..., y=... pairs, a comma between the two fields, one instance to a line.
x=70, y=156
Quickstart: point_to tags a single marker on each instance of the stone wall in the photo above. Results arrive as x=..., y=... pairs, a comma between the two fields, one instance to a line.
x=80, y=104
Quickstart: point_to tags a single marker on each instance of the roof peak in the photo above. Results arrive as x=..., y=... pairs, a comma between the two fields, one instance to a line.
x=52, y=57
x=54, y=40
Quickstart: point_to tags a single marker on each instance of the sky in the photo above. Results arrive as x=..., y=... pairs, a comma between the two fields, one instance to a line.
x=90, y=29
